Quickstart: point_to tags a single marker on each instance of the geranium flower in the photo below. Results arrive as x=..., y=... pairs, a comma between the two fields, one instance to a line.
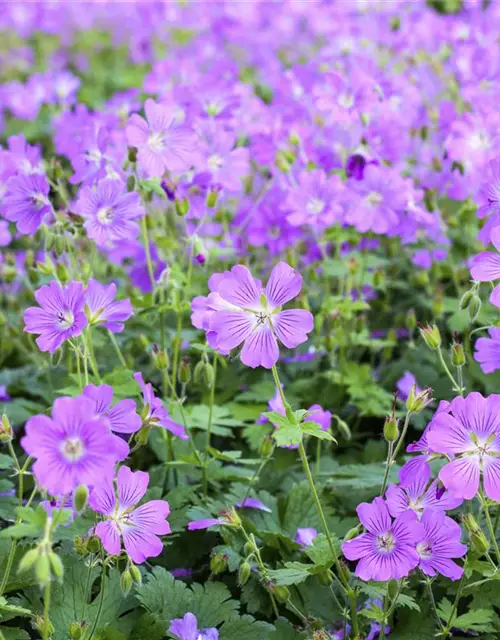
x=122, y=417
x=73, y=447
x=315, y=201
x=388, y=549
x=305, y=536
x=27, y=202
x=470, y=433
x=419, y=497
x=103, y=309
x=488, y=351
x=157, y=415
x=60, y=316
x=186, y=628
x=139, y=527
x=440, y=543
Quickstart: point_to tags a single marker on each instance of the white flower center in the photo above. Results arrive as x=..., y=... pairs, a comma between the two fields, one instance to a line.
x=385, y=542
x=215, y=162
x=479, y=140
x=345, y=100
x=424, y=549
x=156, y=142
x=315, y=206
x=66, y=319
x=374, y=198
x=39, y=200
x=105, y=215
x=72, y=449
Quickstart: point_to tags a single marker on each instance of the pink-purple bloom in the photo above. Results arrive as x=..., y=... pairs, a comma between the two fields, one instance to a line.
x=60, y=316
x=186, y=628
x=73, y=447
x=122, y=416
x=440, y=542
x=419, y=497
x=305, y=536
x=139, y=527
x=157, y=415
x=103, y=309
x=488, y=351
x=27, y=202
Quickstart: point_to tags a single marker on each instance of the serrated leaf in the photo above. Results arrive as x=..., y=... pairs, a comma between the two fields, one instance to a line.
x=6, y=461
x=291, y=573
x=315, y=430
x=279, y=420
x=245, y=628
x=319, y=551
x=284, y=630
x=290, y=435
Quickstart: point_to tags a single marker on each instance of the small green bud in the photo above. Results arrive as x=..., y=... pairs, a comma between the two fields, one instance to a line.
x=198, y=371
x=431, y=336
x=86, y=271
x=6, y=432
x=345, y=571
x=131, y=183
x=182, y=206
x=59, y=245
x=421, y=278
x=80, y=545
x=126, y=582
x=411, y=320
x=160, y=356
x=233, y=518
x=9, y=274
x=417, y=401
x=132, y=154
x=141, y=437
x=209, y=374
x=218, y=563
x=474, y=308
x=56, y=564
x=28, y=560
x=212, y=199
x=50, y=239
x=42, y=569
x=378, y=278
x=325, y=577
x=47, y=267
x=184, y=371
x=33, y=276
x=144, y=341
x=470, y=523
x=248, y=548
x=352, y=533
x=75, y=630
x=343, y=428
x=93, y=544
x=391, y=430
x=135, y=574
x=466, y=299
x=39, y=624
x=282, y=163
x=457, y=355
x=62, y=273
x=244, y=573
x=392, y=589
x=479, y=542
x=80, y=498
x=266, y=447
x=281, y=593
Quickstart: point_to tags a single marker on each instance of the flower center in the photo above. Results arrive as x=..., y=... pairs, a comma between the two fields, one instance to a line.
x=345, y=100
x=72, y=449
x=65, y=319
x=385, y=542
x=39, y=200
x=105, y=215
x=156, y=142
x=374, y=198
x=479, y=140
x=215, y=162
x=424, y=549
x=262, y=318
x=415, y=505
x=315, y=206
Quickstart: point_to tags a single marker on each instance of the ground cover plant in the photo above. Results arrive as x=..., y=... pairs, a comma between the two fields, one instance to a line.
x=248, y=350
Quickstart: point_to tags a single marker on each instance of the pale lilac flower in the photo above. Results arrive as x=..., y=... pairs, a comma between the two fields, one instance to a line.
x=320, y=416
x=73, y=447
x=157, y=415
x=206, y=523
x=316, y=200
x=27, y=202
x=60, y=317
x=5, y=235
x=305, y=536
x=488, y=351
x=405, y=383
x=138, y=526
x=253, y=503
x=163, y=144
x=388, y=549
x=226, y=164
x=122, y=416
x=440, y=543
x=110, y=212
x=419, y=497
x=103, y=309
x=259, y=321
x=485, y=267
x=186, y=628
x=470, y=433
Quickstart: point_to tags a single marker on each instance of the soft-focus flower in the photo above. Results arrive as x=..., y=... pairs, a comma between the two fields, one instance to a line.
x=122, y=416
x=419, y=497
x=440, y=543
x=59, y=317
x=488, y=351
x=186, y=628
x=110, y=212
x=73, y=447
x=157, y=415
x=138, y=526
x=388, y=549
x=259, y=321
x=470, y=433
x=253, y=503
x=316, y=200
x=320, y=416
x=163, y=144
x=305, y=536
x=27, y=202
x=405, y=384
x=103, y=309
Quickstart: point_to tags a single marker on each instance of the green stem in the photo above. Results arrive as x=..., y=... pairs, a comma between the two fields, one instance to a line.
x=432, y=601
x=489, y=524
x=262, y=568
x=177, y=346
x=454, y=383
x=8, y=567
x=91, y=354
x=147, y=249
x=381, y=634
x=446, y=629
x=318, y=459
x=117, y=349
x=256, y=474
x=46, y=607
x=101, y=600
x=212, y=399
x=393, y=456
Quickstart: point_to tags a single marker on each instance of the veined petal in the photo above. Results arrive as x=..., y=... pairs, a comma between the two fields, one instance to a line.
x=292, y=326
x=283, y=285
x=374, y=516
x=260, y=349
x=231, y=327
x=240, y=288
x=462, y=476
x=131, y=486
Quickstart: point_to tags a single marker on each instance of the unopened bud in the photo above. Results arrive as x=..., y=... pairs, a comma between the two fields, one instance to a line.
x=80, y=546
x=28, y=560
x=325, y=577
x=62, y=273
x=281, y=593
x=266, y=447
x=209, y=374
x=352, y=533
x=431, y=336
x=417, y=401
x=50, y=239
x=378, y=278
x=6, y=432
x=182, y=206
x=392, y=589
x=47, y=267
x=33, y=275
x=244, y=573
x=76, y=630
x=457, y=355
x=233, y=518
x=479, y=542
x=93, y=544
x=135, y=574
x=466, y=299
x=131, y=183
x=184, y=371
x=126, y=582
x=56, y=565
x=391, y=430
x=40, y=626
x=248, y=548
x=218, y=563
x=160, y=356
x=80, y=498
x=474, y=307
x=141, y=437
x=212, y=199
x=343, y=428
x=132, y=154
x=198, y=371
x=470, y=523
x=42, y=569
x=411, y=320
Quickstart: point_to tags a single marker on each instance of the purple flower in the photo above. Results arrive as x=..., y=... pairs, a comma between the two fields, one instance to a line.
x=157, y=415
x=186, y=628
x=485, y=267
x=73, y=447
x=315, y=200
x=253, y=503
x=470, y=433
x=258, y=322
x=110, y=212
x=439, y=543
x=206, y=523
x=488, y=351
x=405, y=383
x=318, y=415
x=226, y=164
x=60, y=316
x=4, y=396
x=418, y=497
x=122, y=417
x=5, y=235
x=387, y=550
x=163, y=144
x=27, y=202
x=305, y=536
x=139, y=527
x=103, y=309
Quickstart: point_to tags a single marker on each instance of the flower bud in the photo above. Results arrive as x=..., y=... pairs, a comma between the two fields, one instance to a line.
x=248, y=548
x=378, y=278
x=233, y=518
x=131, y=183
x=76, y=630
x=457, y=355
x=93, y=544
x=39, y=624
x=6, y=432
x=198, y=371
x=352, y=533
x=343, y=428
x=184, y=371
x=416, y=402
x=391, y=430
x=126, y=582
x=218, y=563
x=244, y=573
x=392, y=589
x=281, y=593
x=59, y=245
x=33, y=276
x=50, y=239
x=80, y=498
x=266, y=447
x=80, y=546
x=212, y=199
x=42, y=569
x=141, y=437
x=56, y=565
x=470, y=523
x=411, y=320
x=479, y=542
x=132, y=154
x=62, y=273
x=135, y=574
x=466, y=299
x=325, y=577
x=474, y=307
x=161, y=359
x=431, y=336
x=28, y=560
x=47, y=267
x=209, y=374
x=182, y=206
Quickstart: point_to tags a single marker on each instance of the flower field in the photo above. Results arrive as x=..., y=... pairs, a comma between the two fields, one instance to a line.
x=249, y=329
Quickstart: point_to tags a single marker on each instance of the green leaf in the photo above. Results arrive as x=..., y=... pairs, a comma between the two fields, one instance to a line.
x=292, y=573
x=211, y=603
x=152, y=185
x=413, y=625
x=475, y=620
x=290, y=435
x=148, y=626
x=6, y=461
x=284, y=630
x=279, y=419
x=315, y=430
x=319, y=551
x=21, y=531
x=245, y=628
x=13, y=633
